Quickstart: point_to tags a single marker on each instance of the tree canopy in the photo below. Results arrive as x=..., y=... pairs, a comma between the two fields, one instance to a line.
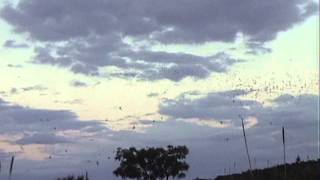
x=152, y=163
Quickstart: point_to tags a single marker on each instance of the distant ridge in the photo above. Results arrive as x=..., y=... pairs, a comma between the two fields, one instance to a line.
x=308, y=170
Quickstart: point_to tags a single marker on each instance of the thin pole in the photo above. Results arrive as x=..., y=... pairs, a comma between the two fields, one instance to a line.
x=317, y=59
x=11, y=167
x=246, y=144
x=284, y=152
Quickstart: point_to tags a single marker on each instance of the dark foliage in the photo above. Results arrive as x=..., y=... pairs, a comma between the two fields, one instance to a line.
x=298, y=159
x=297, y=171
x=74, y=178
x=152, y=163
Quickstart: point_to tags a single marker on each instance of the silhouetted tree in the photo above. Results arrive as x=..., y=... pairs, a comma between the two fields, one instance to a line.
x=298, y=159
x=152, y=163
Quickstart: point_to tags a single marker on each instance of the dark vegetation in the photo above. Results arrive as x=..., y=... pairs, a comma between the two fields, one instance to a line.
x=165, y=163
x=300, y=170
x=309, y=170
x=152, y=163
x=75, y=178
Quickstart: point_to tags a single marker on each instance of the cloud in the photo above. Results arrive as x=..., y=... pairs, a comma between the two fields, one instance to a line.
x=220, y=106
x=14, y=66
x=177, y=66
x=144, y=64
x=13, y=91
x=3, y=93
x=257, y=48
x=284, y=98
x=15, y=45
x=70, y=102
x=87, y=41
x=17, y=119
x=153, y=95
x=42, y=138
x=293, y=111
x=167, y=21
x=34, y=88
x=77, y=83
x=37, y=88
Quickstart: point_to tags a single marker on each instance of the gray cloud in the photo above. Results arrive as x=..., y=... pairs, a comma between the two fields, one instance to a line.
x=43, y=138
x=170, y=21
x=220, y=106
x=14, y=44
x=17, y=119
x=222, y=20
x=257, y=48
x=14, y=91
x=294, y=111
x=2, y=92
x=143, y=64
x=87, y=36
x=153, y=95
x=70, y=102
x=77, y=83
x=14, y=65
x=34, y=88
x=176, y=66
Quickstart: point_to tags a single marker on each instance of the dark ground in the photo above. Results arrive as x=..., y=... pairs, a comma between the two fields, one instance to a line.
x=309, y=170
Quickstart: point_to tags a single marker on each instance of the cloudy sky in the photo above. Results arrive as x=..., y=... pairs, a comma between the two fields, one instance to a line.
x=80, y=78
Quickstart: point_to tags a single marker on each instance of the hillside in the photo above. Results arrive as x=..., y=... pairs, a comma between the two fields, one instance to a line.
x=309, y=170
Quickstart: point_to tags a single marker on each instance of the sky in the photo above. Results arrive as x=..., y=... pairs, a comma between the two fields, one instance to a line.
x=80, y=78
